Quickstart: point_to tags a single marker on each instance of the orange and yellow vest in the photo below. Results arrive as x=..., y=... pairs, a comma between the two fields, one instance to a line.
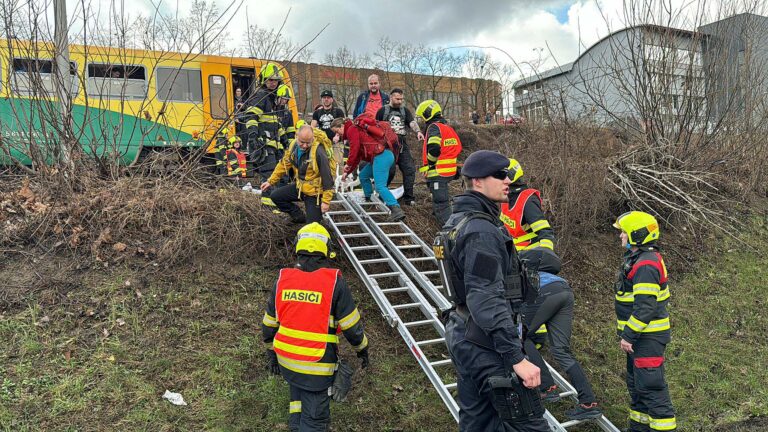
x=236, y=166
x=303, y=304
x=450, y=147
x=513, y=219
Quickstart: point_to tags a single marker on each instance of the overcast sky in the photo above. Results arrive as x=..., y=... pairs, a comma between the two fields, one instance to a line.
x=556, y=31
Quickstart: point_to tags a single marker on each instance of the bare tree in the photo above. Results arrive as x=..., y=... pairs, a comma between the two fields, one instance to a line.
x=347, y=63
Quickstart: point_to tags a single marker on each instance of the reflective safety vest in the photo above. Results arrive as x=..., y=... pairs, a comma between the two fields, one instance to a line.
x=236, y=163
x=513, y=219
x=450, y=147
x=303, y=306
x=627, y=288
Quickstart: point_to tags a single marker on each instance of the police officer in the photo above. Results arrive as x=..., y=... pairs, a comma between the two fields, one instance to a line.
x=439, y=157
x=482, y=332
x=550, y=317
x=308, y=304
x=642, y=295
x=522, y=214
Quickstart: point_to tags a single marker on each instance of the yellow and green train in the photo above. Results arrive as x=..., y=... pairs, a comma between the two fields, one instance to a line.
x=125, y=102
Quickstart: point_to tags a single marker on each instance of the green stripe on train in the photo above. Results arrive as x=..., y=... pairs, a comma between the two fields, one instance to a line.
x=100, y=132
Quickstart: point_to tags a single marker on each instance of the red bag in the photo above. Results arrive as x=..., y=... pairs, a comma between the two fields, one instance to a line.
x=377, y=137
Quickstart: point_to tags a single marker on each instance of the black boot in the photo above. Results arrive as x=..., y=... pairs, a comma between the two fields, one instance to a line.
x=297, y=216
x=584, y=412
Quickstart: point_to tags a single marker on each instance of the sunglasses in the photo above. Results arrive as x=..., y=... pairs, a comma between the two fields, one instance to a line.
x=501, y=174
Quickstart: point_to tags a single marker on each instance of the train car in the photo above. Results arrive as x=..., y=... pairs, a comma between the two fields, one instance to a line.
x=125, y=102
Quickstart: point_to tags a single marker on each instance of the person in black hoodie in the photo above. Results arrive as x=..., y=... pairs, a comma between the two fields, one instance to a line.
x=481, y=331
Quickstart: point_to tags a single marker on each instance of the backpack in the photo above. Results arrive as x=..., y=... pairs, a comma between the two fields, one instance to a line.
x=322, y=142
x=377, y=136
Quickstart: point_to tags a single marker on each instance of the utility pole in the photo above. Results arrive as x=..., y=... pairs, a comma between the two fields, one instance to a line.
x=63, y=79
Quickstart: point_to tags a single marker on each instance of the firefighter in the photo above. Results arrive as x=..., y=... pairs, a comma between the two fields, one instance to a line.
x=236, y=160
x=262, y=124
x=287, y=131
x=524, y=219
x=440, y=153
x=642, y=295
x=220, y=151
x=309, y=303
x=550, y=317
x=482, y=329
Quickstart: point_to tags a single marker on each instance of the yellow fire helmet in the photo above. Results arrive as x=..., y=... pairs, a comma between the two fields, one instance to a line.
x=284, y=91
x=314, y=238
x=300, y=123
x=428, y=109
x=515, y=170
x=641, y=228
x=234, y=139
x=224, y=132
x=270, y=71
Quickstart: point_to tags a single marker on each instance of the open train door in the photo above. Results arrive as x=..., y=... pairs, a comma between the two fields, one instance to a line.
x=217, y=91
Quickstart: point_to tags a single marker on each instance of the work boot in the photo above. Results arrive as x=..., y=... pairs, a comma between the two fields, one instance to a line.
x=396, y=213
x=297, y=217
x=584, y=412
x=552, y=394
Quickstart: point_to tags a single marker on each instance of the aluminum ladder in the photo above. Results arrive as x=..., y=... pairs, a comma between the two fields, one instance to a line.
x=400, y=272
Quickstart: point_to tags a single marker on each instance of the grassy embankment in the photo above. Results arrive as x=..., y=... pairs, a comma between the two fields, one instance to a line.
x=95, y=350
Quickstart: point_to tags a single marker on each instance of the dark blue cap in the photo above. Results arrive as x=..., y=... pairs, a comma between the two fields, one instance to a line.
x=483, y=163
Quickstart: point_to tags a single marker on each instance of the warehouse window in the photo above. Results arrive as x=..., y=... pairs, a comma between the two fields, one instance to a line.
x=179, y=85
x=117, y=81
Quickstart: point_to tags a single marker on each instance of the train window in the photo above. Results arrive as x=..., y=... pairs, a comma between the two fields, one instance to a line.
x=218, y=86
x=117, y=81
x=35, y=76
x=179, y=85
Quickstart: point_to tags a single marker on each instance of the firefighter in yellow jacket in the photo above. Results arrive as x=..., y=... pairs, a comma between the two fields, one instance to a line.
x=308, y=309
x=641, y=301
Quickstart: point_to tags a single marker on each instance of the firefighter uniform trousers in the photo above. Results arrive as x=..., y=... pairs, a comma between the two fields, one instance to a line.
x=309, y=410
x=475, y=365
x=650, y=405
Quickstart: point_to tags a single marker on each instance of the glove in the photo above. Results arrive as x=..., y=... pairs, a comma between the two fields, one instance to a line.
x=272, y=365
x=363, y=356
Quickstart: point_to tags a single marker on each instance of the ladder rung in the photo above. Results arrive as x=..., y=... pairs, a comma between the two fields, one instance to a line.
x=388, y=223
x=403, y=247
x=376, y=213
x=430, y=342
x=374, y=261
x=429, y=258
x=450, y=386
x=359, y=235
x=567, y=393
x=383, y=275
x=418, y=323
x=368, y=203
x=430, y=272
x=406, y=305
x=338, y=212
x=570, y=423
x=394, y=290
x=441, y=362
x=367, y=247
x=393, y=235
x=340, y=224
